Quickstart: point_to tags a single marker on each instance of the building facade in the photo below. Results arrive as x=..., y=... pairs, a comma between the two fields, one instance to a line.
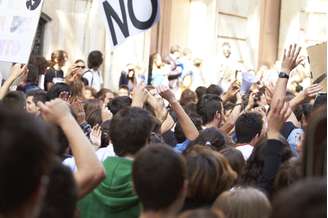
x=258, y=31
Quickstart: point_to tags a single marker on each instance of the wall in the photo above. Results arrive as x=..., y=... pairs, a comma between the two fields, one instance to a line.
x=212, y=22
x=303, y=22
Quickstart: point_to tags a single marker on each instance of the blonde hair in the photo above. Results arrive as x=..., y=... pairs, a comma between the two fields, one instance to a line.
x=58, y=56
x=243, y=203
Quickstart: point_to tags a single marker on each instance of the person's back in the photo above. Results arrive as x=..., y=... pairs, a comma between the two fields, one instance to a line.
x=114, y=197
x=95, y=60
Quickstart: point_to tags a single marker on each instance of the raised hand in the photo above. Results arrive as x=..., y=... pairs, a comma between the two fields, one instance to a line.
x=139, y=95
x=17, y=71
x=232, y=91
x=55, y=111
x=106, y=114
x=290, y=59
x=95, y=135
x=312, y=91
x=73, y=73
x=276, y=118
x=166, y=93
x=269, y=90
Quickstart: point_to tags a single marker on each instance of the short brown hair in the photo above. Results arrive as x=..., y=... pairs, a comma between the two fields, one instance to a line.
x=159, y=174
x=209, y=174
x=188, y=96
x=101, y=95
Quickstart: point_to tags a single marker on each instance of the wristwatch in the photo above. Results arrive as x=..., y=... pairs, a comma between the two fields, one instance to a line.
x=283, y=75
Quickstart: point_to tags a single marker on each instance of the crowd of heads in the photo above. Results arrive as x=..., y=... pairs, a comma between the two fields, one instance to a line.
x=210, y=153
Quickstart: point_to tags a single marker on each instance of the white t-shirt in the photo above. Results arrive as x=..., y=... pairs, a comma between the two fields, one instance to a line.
x=102, y=155
x=246, y=150
x=94, y=79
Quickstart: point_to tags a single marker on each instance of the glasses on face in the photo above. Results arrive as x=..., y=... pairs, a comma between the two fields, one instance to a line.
x=81, y=67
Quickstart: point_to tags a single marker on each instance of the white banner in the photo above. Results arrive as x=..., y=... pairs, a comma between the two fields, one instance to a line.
x=124, y=18
x=18, y=23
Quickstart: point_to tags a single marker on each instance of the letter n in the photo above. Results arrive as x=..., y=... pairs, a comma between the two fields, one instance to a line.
x=110, y=15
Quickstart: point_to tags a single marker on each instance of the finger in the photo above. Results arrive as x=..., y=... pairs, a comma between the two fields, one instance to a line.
x=285, y=53
x=280, y=105
x=284, y=109
x=289, y=50
x=292, y=54
x=288, y=113
x=41, y=105
x=315, y=89
x=298, y=53
x=314, y=86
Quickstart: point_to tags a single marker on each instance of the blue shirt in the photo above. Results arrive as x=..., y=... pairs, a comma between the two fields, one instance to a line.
x=181, y=147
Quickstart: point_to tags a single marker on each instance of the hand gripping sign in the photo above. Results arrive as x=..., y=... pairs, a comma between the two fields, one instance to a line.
x=124, y=18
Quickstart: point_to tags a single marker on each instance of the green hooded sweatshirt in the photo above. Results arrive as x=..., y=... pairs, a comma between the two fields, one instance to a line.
x=114, y=197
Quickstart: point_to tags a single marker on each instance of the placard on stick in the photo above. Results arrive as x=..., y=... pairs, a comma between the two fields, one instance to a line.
x=18, y=24
x=318, y=62
x=124, y=18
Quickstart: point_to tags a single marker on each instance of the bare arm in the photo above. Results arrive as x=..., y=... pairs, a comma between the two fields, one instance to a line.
x=139, y=96
x=188, y=127
x=289, y=62
x=160, y=111
x=230, y=122
x=308, y=94
x=90, y=171
x=16, y=72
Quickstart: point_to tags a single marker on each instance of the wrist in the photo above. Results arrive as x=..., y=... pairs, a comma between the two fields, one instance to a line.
x=273, y=134
x=173, y=101
x=62, y=121
x=285, y=70
x=137, y=103
x=11, y=79
x=283, y=75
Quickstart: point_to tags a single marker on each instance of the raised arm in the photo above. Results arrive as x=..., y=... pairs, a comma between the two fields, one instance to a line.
x=188, y=127
x=139, y=96
x=307, y=94
x=16, y=71
x=273, y=150
x=289, y=62
x=90, y=171
x=160, y=111
x=230, y=122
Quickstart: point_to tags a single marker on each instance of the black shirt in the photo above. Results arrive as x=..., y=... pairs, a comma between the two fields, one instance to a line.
x=50, y=75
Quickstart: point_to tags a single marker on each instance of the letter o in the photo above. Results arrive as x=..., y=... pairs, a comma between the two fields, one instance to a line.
x=140, y=24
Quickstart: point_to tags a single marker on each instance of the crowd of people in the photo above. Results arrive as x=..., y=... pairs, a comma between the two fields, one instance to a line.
x=238, y=148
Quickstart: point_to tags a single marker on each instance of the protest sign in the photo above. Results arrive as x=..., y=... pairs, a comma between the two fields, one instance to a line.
x=18, y=24
x=318, y=62
x=124, y=18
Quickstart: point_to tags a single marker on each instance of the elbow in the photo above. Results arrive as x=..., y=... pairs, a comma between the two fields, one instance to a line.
x=90, y=181
x=98, y=176
x=192, y=136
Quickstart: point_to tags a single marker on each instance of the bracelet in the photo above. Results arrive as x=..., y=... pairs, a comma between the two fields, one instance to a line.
x=283, y=75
